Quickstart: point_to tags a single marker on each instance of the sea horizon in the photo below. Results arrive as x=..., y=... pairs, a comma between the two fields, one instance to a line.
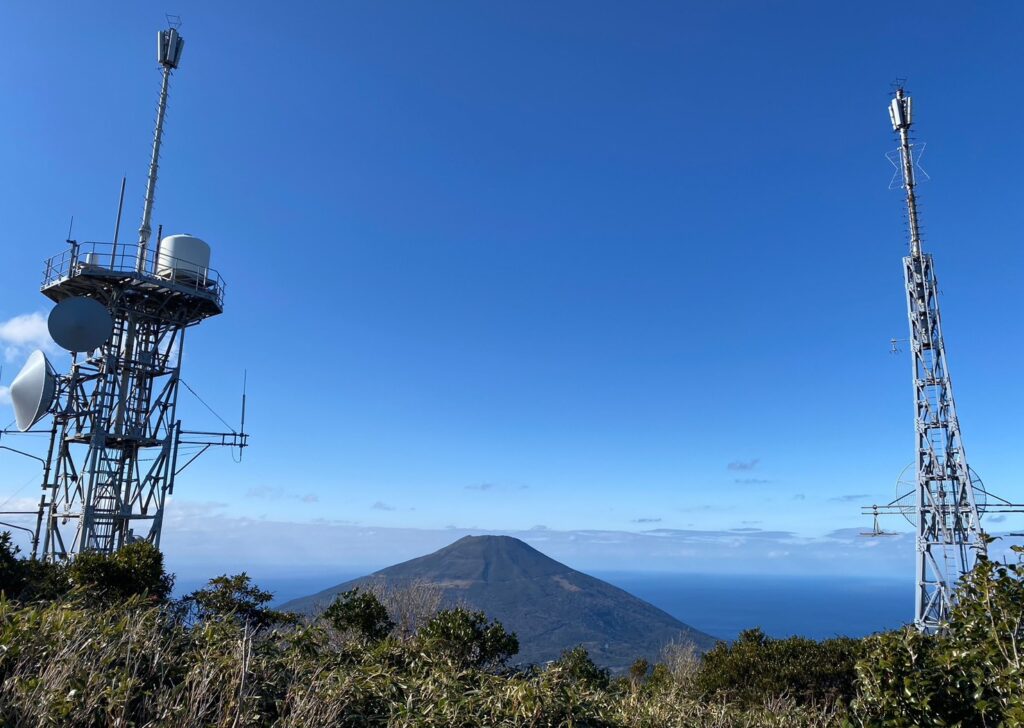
x=816, y=606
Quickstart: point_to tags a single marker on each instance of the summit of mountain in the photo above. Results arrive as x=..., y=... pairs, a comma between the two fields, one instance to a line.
x=550, y=606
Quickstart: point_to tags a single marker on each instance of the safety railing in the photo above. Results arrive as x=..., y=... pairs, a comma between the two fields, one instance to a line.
x=122, y=259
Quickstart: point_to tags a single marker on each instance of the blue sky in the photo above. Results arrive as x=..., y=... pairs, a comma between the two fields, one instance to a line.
x=589, y=266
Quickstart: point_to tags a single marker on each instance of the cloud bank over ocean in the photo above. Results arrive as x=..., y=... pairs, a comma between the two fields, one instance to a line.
x=201, y=539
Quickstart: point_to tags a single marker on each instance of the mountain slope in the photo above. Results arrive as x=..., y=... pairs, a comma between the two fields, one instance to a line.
x=549, y=606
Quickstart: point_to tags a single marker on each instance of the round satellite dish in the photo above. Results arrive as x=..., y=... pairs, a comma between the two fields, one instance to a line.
x=33, y=390
x=80, y=324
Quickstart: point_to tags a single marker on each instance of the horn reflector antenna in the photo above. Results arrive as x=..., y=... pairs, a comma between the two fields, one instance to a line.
x=33, y=390
x=80, y=324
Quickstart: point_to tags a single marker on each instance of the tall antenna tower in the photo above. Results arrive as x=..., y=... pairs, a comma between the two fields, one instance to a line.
x=945, y=500
x=122, y=311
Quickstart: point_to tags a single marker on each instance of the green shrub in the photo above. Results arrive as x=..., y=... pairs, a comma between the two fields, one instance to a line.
x=137, y=568
x=360, y=612
x=12, y=572
x=578, y=666
x=237, y=598
x=756, y=668
x=467, y=639
x=972, y=673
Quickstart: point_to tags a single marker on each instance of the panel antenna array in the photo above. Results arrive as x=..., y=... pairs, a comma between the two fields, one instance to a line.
x=122, y=311
x=945, y=500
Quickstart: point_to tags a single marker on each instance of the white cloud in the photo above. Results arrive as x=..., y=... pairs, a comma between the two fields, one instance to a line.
x=202, y=539
x=5, y=394
x=265, y=491
x=21, y=334
x=743, y=464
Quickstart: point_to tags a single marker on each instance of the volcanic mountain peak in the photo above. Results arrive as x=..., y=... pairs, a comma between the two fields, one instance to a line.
x=481, y=558
x=550, y=606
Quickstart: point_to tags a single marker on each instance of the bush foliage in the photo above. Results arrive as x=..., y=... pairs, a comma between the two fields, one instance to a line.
x=100, y=643
x=970, y=675
x=755, y=667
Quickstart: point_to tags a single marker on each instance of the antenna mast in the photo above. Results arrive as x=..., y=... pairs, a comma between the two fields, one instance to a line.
x=900, y=115
x=169, y=47
x=945, y=500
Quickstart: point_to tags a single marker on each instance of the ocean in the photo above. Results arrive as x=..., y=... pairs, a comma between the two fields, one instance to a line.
x=722, y=606
x=810, y=606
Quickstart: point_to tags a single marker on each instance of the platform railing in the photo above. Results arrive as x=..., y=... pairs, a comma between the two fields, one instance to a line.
x=98, y=258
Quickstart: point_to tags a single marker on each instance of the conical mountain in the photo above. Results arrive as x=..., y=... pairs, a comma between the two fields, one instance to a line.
x=549, y=606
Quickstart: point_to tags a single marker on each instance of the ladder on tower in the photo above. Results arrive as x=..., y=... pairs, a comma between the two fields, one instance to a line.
x=106, y=511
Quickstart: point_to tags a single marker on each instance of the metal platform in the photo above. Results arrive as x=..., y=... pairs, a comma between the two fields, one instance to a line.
x=105, y=270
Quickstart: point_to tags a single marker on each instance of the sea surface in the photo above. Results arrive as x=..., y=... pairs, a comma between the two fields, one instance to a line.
x=722, y=606
x=810, y=606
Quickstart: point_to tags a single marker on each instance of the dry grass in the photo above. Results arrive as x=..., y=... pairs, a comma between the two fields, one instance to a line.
x=66, y=664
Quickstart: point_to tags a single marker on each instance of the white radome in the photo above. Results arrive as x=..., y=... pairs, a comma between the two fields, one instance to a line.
x=183, y=258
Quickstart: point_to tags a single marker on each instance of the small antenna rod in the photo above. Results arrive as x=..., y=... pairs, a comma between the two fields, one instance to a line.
x=169, y=47
x=117, y=225
x=900, y=115
x=241, y=428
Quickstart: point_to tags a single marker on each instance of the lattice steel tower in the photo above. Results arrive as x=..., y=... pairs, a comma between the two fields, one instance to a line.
x=945, y=500
x=114, y=443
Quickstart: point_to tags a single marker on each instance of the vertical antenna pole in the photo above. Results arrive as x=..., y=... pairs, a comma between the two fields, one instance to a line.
x=241, y=427
x=900, y=114
x=169, y=47
x=117, y=225
x=156, y=253
x=147, y=208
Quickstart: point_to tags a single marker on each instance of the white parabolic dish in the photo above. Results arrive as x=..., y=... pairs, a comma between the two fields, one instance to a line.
x=33, y=390
x=80, y=324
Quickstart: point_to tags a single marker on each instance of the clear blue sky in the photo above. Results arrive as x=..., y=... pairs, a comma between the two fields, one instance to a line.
x=588, y=265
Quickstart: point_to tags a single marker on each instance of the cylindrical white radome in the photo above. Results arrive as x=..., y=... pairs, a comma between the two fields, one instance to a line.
x=183, y=258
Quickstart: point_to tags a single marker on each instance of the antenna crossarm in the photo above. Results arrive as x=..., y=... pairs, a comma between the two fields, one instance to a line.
x=206, y=440
x=214, y=439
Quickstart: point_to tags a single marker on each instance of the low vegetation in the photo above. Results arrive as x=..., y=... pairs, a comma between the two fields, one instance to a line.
x=99, y=642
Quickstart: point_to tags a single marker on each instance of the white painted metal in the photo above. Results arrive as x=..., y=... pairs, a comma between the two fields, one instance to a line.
x=33, y=390
x=947, y=500
x=183, y=258
x=79, y=323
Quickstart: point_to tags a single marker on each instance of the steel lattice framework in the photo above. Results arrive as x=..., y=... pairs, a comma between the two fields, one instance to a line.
x=945, y=500
x=114, y=443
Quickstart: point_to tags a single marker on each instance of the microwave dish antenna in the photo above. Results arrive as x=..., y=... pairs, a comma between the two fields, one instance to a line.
x=80, y=324
x=33, y=391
